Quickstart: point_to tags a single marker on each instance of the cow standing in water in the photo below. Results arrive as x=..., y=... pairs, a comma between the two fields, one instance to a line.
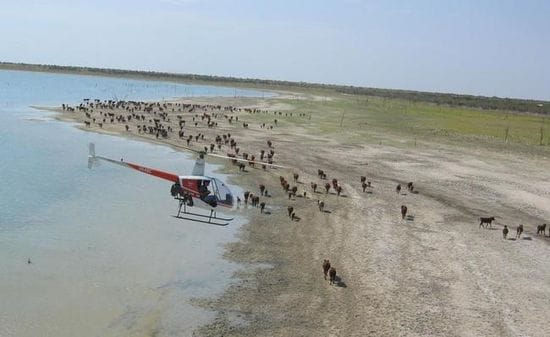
x=403, y=211
x=326, y=267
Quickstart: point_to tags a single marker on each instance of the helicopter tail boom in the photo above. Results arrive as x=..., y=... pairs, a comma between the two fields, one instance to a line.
x=93, y=160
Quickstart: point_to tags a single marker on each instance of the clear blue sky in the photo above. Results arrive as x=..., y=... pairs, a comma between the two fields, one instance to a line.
x=484, y=47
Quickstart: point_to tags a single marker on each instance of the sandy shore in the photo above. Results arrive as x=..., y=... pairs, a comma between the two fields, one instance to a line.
x=435, y=273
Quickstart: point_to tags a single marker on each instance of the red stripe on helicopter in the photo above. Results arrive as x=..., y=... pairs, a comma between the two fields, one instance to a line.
x=164, y=175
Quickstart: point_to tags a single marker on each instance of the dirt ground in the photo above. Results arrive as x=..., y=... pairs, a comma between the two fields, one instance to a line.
x=435, y=273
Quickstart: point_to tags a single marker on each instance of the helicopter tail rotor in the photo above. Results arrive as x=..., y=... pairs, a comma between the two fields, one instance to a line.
x=92, y=159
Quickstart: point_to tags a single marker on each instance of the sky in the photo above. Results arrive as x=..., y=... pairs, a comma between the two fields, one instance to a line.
x=485, y=47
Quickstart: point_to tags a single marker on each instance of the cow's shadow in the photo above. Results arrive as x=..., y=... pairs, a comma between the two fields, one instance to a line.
x=339, y=282
x=409, y=218
x=528, y=238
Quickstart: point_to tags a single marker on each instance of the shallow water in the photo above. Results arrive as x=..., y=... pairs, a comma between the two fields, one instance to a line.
x=107, y=257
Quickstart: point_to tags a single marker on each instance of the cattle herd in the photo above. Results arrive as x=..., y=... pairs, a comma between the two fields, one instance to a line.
x=488, y=223
x=196, y=124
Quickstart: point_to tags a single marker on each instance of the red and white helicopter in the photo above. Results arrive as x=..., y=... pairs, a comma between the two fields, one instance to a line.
x=193, y=190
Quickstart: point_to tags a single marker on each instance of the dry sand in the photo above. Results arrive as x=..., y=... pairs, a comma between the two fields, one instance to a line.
x=436, y=273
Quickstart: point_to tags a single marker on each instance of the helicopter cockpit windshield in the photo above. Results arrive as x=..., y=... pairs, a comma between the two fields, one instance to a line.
x=221, y=192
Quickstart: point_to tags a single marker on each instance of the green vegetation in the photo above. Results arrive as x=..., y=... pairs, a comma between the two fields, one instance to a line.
x=360, y=117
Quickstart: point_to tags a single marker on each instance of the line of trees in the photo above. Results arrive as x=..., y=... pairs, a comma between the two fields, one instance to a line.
x=494, y=103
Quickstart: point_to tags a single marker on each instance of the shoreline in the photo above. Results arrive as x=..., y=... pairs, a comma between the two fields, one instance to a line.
x=503, y=104
x=397, y=277
x=202, y=303
x=241, y=220
x=278, y=90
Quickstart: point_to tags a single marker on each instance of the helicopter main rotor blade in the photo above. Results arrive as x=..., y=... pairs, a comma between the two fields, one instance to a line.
x=245, y=160
x=202, y=152
x=190, y=149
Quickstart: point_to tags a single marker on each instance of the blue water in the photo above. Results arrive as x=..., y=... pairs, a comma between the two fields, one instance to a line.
x=107, y=257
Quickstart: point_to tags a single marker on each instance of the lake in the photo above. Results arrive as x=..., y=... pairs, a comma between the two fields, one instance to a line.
x=108, y=259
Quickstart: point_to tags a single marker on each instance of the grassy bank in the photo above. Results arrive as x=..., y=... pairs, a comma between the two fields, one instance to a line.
x=360, y=117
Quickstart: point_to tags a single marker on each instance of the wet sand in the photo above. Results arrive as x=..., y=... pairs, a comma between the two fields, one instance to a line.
x=435, y=273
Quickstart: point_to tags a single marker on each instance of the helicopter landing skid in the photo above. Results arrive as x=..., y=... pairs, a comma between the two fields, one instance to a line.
x=210, y=222
x=209, y=219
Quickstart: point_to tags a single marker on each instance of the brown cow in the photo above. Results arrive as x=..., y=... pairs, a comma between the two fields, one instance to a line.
x=321, y=205
x=541, y=229
x=519, y=230
x=398, y=188
x=332, y=275
x=403, y=211
x=326, y=267
x=505, y=232
x=290, y=210
x=314, y=187
x=486, y=221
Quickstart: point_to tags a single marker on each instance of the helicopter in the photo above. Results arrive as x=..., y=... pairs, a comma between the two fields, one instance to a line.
x=195, y=190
